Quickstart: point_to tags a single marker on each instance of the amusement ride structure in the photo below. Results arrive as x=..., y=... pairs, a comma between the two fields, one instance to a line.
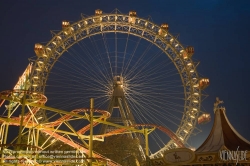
x=142, y=80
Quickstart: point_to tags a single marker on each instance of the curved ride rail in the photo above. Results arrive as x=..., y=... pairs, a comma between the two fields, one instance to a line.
x=16, y=121
x=163, y=129
x=17, y=94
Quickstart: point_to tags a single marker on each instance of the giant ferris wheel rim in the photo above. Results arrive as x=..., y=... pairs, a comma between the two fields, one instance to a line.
x=119, y=23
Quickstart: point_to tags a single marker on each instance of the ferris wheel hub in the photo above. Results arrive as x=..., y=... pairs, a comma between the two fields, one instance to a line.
x=118, y=89
x=118, y=80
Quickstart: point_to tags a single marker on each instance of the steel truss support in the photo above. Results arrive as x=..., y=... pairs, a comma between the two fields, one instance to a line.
x=118, y=100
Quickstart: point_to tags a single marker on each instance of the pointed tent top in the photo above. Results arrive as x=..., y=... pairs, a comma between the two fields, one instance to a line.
x=223, y=135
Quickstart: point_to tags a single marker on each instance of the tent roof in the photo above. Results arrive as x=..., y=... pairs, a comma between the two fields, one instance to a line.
x=223, y=135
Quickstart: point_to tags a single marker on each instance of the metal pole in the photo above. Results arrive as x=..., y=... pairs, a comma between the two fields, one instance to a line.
x=5, y=134
x=91, y=129
x=7, y=127
x=146, y=141
x=37, y=139
x=21, y=121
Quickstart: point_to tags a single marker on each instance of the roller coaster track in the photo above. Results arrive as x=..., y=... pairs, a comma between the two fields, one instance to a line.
x=47, y=128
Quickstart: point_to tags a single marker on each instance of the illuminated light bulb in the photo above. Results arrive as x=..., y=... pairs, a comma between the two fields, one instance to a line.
x=195, y=109
x=196, y=94
x=192, y=116
x=195, y=86
x=189, y=64
x=193, y=149
x=195, y=101
x=185, y=131
x=190, y=124
x=181, y=138
x=34, y=85
x=192, y=70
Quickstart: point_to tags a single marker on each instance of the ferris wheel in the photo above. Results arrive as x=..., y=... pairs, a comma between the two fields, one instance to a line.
x=132, y=67
x=159, y=77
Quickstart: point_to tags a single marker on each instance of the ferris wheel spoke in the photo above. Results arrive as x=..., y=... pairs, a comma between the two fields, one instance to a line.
x=90, y=69
x=149, y=73
x=152, y=107
x=69, y=103
x=115, y=54
x=147, y=94
x=155, y=134
x=137, y=64
x=99, y=56
x=156, y=79
x=157, y=139
x=141, y=57
x=125, y=52
x=91, y=55
x=89, y=66
x=75, y=71
x=143, y=85
x=146, y=64
x=107, y=52
x=146, y=108
x=76, y=89
x=89, y=85
x=129, y=60
x=65, y=74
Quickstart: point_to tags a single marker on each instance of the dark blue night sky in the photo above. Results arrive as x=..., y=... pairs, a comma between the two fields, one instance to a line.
x=218, y=30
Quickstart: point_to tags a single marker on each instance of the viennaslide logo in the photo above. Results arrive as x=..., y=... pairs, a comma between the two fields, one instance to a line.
x=227, y=155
